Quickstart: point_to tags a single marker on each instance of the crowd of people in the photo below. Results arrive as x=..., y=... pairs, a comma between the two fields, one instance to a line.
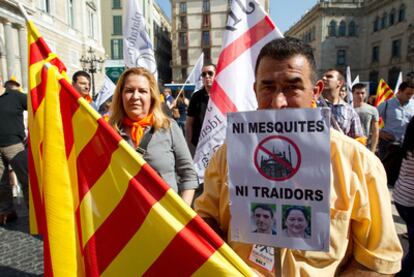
x=165, y=129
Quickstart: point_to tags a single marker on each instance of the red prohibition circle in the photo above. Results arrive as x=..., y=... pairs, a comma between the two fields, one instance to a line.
x=260, y=148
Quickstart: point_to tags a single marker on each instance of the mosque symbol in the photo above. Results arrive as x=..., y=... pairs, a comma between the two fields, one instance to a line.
x=277, y=168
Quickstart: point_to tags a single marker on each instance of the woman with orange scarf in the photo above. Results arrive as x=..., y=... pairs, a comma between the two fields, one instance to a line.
x=136, y=114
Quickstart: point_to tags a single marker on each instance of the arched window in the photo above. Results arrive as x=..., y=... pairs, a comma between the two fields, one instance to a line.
x=384, y=21
x=352, y=29
x=332, y=29
x=342, y=29
x=401, y=13
x=391, y=21
x=376, y=24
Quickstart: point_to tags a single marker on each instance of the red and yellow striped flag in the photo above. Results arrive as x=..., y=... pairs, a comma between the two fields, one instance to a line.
x=102, y=210
x=384, y=92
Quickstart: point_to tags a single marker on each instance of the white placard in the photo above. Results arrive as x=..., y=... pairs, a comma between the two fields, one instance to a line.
x=279, y=177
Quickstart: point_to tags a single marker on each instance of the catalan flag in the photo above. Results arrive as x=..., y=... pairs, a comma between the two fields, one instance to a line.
x=100, y=207
x=384, y=92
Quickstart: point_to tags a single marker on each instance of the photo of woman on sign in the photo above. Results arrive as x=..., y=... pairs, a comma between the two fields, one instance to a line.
x=296, y=221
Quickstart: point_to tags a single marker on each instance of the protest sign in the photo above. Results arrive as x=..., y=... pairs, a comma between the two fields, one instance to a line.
x=279, y=177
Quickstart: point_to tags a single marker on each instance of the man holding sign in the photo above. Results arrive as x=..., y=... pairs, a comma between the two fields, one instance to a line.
x=361, y=239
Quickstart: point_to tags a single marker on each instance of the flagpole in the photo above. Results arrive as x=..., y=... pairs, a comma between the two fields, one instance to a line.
x=23, y=10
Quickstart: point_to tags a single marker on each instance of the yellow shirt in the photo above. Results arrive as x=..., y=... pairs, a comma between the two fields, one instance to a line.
x=361, y=219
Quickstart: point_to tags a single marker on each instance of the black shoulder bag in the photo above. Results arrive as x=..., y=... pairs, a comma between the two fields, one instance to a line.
x=142, y=147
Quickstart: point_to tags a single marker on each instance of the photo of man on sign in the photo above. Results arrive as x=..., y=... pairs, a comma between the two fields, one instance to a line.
x=263, y=217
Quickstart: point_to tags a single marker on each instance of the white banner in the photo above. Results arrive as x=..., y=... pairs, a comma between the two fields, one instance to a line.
x=355, y=81
x=104, y=93
x=279, y=177
x=399, y=81
x=349, y=84
x=248, y=29
x=195, y=75
x=138, y=51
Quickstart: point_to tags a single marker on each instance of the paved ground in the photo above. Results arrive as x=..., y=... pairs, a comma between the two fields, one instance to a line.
x=22, y=255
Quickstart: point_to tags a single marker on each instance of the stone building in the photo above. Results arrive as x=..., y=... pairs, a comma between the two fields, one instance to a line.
x=374, y=37
x=158, y=28
x=197, y=26
x=69, y=27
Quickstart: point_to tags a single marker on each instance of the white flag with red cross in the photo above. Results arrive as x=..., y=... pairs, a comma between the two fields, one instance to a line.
x=248, y=29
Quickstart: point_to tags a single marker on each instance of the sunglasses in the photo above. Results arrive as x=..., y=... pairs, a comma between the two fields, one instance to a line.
x=209, y=73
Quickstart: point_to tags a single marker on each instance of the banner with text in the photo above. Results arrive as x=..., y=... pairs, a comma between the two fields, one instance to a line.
x=137, y=47
x=279, y=194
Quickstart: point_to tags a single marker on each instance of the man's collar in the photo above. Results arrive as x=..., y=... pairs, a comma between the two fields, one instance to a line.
x=340, y=102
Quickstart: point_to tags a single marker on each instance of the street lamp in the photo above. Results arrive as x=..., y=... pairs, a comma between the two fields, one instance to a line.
x=92, y=64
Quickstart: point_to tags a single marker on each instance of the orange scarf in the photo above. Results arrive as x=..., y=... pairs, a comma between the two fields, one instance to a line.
x=138, y=127
x=88, y=98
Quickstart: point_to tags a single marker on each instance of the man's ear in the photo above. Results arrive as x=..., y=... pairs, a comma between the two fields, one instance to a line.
x=317, y=89
x=254, y=88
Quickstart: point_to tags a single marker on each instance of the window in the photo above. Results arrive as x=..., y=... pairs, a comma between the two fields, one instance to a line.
x=183, y=7
x=392, y=17
x=375, y=54
x=206, y=6
x=205, y=38
x=401, y=13
x=373, y=80
x=341, y=57
x=117, y=25
x=384, y=21
x=183, y=73
x=184, y=57
x=182, y=39
x=332, y=29
x=342, y=29
x=352, y=29
x=376, y=24
x=116, y=4
x=183, y=22
x=92, y=23
x=45, y=5
x=313, y=33
x=117, y=49
x=206, y=20
x=396, y=48
x=71, y=9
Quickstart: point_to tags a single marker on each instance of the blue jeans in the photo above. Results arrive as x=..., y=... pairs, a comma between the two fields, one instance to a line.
x=406, y=213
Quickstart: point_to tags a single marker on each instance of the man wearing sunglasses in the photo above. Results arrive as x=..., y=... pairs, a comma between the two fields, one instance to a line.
x=198, y=106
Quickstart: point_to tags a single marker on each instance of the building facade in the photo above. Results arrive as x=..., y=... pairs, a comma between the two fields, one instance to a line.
x=374, y=37
x=69, y=27
x=198, y=26
x=158, y=28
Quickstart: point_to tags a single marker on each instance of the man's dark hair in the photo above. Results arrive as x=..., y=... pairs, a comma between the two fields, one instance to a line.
x=264, y=207
x=210, y=64
x=80, y=73
x=406, y=84
x=340, y=73
x=287, y=47
x=358, y=86
x=8, y=84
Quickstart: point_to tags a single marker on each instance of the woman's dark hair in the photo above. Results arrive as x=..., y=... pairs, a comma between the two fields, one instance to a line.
x=408, y=144
x=305, y=213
